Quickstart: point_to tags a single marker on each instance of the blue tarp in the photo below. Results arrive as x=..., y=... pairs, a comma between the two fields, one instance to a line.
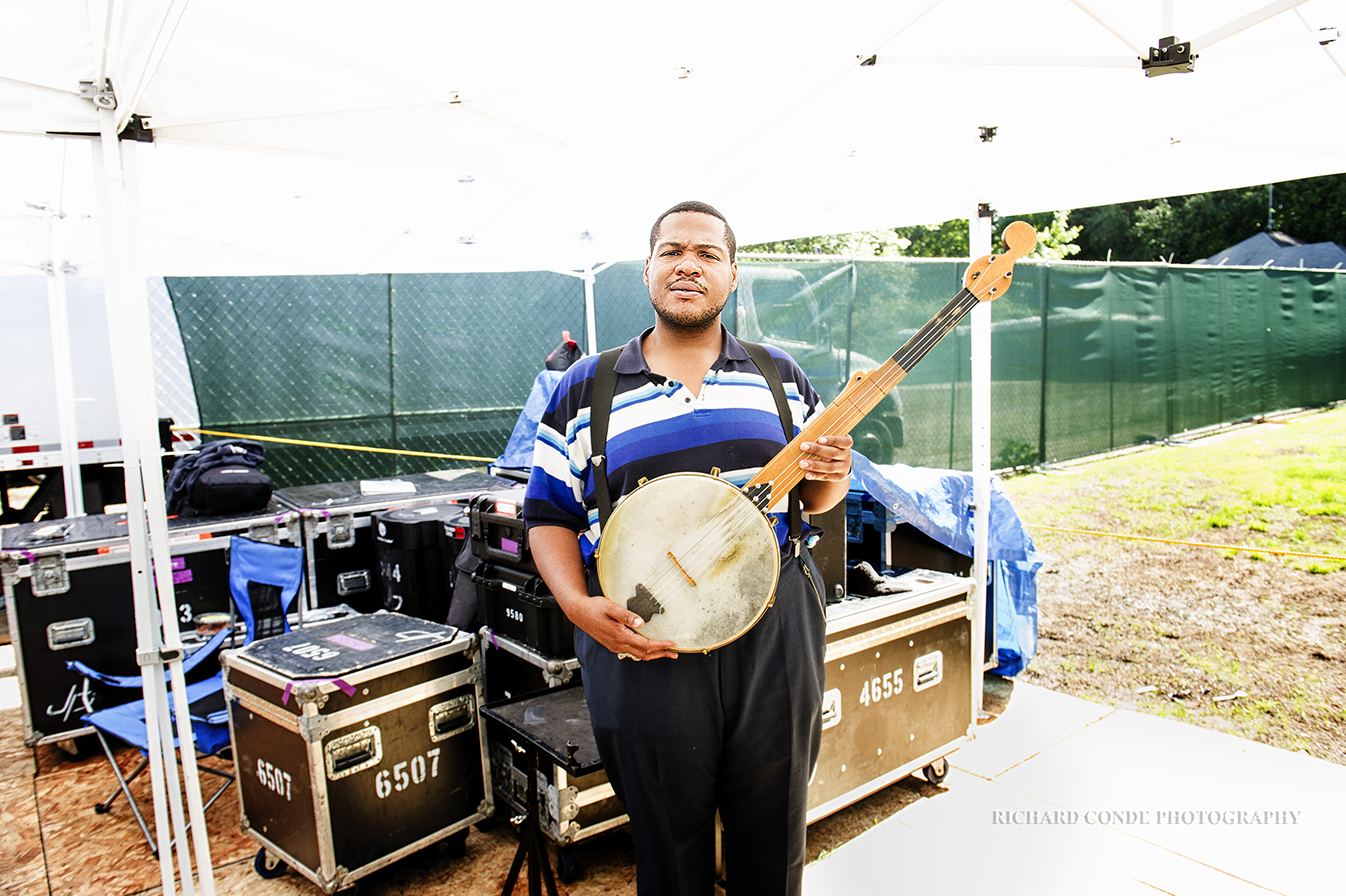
x=519, y=449
x=938, y=503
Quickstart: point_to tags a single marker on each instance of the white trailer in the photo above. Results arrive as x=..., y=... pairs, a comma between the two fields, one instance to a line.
x=31, y=450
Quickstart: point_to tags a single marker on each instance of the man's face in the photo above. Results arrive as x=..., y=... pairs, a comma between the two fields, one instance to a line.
x=690, y=275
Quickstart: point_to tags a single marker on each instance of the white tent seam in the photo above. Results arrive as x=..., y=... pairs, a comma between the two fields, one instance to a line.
x=152, y=59
x=309, y=52
x=1325, y=48
x=1242, y=23
x=1111, y=30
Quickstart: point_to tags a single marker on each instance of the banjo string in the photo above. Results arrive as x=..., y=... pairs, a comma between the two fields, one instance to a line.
x=698, y=552
x=906, y=358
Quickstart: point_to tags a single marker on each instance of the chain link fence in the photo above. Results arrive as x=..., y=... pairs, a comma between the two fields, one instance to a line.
x=1085, y=357
x=432, y=363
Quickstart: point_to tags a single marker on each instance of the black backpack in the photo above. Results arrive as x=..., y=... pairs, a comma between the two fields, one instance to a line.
x=220, y=478
x=565, y=354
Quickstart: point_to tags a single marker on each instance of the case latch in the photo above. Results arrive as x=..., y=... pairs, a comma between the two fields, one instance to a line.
x=263, y=532
x=50, y=576
x=340, y=530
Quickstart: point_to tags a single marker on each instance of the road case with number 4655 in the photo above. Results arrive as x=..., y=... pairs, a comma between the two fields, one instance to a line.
x=898, y=696
x=357, y=742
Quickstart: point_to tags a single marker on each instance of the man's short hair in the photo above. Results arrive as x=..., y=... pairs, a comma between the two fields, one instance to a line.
x=702, y=208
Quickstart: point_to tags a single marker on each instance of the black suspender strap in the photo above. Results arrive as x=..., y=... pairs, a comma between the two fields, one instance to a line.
x=767, y=365
x=600, y=411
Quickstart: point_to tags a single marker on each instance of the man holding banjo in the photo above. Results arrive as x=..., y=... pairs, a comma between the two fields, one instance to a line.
x=703, y=683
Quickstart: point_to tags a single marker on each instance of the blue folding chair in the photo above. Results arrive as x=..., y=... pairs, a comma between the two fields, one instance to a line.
x=264, y=581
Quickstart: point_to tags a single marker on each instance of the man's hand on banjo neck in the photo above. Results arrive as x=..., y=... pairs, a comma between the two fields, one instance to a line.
x=826, y=463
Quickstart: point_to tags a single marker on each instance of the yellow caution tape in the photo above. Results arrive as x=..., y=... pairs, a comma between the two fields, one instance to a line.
x=1193, y=544
x=235, y=435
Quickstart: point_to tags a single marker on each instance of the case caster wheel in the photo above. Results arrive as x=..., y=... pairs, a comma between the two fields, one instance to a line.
x=567, y=865
x=268, y=866
x=936, y=771
x=455, y=845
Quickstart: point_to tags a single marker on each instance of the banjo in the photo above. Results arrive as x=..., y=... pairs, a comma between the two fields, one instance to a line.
x=696, y=557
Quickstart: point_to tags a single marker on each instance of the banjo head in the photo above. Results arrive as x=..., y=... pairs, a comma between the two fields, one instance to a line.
x=693, y=556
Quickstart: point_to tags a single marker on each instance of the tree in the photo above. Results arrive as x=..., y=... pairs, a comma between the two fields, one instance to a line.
x=1182, y=229
x=1188, y=228
x=1312, y=209
x=945, y=240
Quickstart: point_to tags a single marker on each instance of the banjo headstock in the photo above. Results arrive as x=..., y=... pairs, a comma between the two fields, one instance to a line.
x=989, y=276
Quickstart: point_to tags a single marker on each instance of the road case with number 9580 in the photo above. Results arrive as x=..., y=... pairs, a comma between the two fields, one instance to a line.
x=357, y=742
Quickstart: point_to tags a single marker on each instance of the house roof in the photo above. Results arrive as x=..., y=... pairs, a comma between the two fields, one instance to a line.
x=1280, y=250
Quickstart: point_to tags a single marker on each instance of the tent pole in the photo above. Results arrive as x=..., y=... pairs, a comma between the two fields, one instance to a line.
x=979, y=239
x=590, y=319
x=151, y=469
x=589, y=276
x=979, y=244
x=59, y=311
x=156, y=622
x=590, y=316
x=146, y=620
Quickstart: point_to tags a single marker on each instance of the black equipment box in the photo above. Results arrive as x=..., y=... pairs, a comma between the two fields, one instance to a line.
x=517, y=604
x=575, y=799
x=498, y=532
x=899, y=689
x=68, y=595
x=888, y=543
x=338, y=535
x=357, y=742
x=416, y=551
x=876, y=535
x=515, y=670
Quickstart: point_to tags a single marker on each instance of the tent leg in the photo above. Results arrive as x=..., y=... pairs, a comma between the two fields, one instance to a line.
x=979, y=244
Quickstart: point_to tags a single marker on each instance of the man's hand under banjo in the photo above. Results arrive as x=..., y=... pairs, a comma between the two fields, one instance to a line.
x=826, y=467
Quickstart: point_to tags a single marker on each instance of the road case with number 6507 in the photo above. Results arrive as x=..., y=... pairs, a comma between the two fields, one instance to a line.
x=357, y=742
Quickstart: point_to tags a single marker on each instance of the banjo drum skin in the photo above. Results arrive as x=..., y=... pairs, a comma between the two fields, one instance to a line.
x=693, y=556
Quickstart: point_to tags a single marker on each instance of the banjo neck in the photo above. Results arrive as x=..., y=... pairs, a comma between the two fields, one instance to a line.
x=987, y=278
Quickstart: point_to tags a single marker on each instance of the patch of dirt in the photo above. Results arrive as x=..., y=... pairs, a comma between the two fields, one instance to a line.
x=1250, y=647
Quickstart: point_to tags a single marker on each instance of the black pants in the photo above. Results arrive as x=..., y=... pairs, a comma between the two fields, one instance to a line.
x=737, y=730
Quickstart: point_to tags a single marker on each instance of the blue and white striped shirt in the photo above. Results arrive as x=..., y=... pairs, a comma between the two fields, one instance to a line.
x=658, y=427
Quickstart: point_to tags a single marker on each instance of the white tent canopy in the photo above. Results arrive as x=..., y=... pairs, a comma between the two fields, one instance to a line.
x=341, y=137
x=437, y=137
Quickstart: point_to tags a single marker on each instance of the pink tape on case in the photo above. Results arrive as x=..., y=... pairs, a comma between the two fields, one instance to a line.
x=348, y=689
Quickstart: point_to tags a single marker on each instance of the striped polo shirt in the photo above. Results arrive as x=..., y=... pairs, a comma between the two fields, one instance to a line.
x=658, y=427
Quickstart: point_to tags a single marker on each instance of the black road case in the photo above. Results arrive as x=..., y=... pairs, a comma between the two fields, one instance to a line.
x=514, y=670
x=516, y=603
x=416, y=551
x=549, y=735
x=337, y=531
x=499, y=533
x=357, y=742
x=67, y=587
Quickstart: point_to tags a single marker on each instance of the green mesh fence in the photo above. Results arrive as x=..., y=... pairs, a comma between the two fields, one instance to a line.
x=433, y=363
x=1085, y=357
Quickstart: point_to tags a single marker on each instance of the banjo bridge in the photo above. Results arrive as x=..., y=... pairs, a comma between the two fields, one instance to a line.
x=644, y=604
